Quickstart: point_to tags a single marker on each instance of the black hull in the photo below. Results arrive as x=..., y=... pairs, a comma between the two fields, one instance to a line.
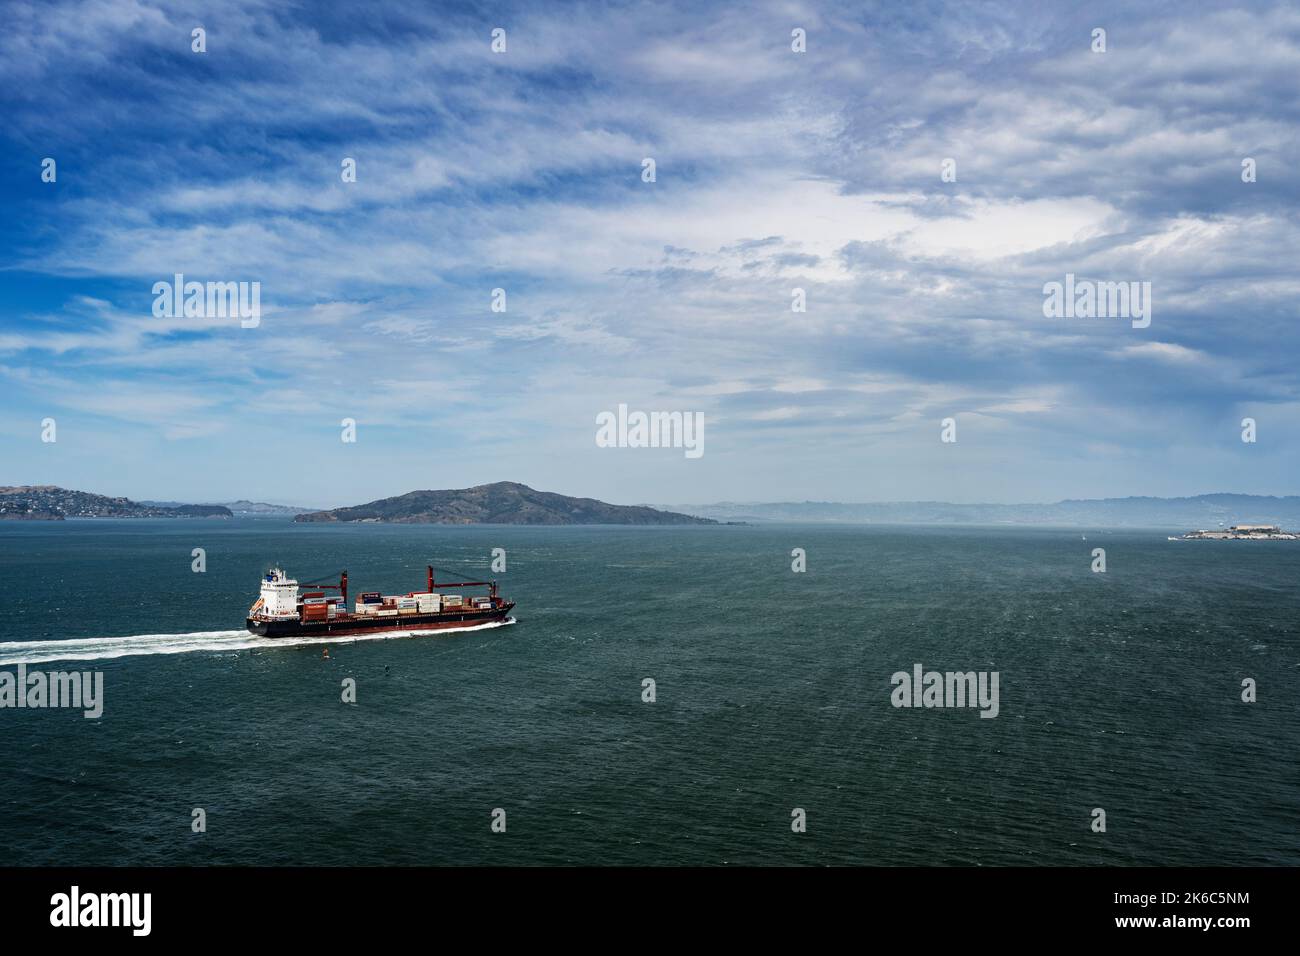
x=371, y=624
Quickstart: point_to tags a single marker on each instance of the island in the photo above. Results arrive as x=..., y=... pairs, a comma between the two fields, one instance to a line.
x=1242, y=532
x=51, y=503
x=502, y=502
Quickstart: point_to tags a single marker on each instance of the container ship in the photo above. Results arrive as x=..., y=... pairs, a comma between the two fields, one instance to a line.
x=282, y=611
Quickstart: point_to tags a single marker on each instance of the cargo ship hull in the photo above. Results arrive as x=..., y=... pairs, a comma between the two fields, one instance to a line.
x=351, y=624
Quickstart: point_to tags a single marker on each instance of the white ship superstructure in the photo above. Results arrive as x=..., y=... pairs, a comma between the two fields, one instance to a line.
x=279, y=600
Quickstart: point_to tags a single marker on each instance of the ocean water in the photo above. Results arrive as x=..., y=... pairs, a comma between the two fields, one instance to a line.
x=1119, y=690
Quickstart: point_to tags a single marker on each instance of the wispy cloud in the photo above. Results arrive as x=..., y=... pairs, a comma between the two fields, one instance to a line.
x=775, y=171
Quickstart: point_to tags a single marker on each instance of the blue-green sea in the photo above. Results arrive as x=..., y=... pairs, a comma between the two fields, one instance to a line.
x=1119, y=690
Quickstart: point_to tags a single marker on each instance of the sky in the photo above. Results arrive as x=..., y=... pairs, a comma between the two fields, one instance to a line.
x=774, y=170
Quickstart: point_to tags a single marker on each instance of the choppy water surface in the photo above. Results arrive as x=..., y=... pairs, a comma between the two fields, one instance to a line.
x=1118, y=690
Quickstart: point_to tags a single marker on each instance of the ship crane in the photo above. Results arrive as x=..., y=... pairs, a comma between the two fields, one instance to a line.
x=341, y=587
x=490, y=585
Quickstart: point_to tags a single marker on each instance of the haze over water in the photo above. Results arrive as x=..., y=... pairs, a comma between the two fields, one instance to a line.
x=1119, y=690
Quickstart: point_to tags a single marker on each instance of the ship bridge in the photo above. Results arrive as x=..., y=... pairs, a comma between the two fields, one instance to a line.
x=279, y=596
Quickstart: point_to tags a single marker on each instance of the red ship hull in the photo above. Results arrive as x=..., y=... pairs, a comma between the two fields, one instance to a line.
x=353, y=624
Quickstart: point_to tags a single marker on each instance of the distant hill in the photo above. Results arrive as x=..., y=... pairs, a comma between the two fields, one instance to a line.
x=245, y=507
x=1199, y=511
x=51, y=503
x=202, y=511
x=504, y=502
x=241, y=507
x=507, y=502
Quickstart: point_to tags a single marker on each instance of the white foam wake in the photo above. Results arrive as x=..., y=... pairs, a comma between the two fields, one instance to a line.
x=108, y=648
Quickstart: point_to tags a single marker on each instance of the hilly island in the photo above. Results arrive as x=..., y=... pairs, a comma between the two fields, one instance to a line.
x=503, y=502
x=50, y=503
x=510, y=502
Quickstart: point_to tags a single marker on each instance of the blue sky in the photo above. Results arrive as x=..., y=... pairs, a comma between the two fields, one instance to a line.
x=775, y=170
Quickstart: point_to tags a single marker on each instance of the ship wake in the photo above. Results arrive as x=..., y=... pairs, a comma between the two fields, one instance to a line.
x=109, y=648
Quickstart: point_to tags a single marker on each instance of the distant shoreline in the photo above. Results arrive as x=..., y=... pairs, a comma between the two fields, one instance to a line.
x=512, y=503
